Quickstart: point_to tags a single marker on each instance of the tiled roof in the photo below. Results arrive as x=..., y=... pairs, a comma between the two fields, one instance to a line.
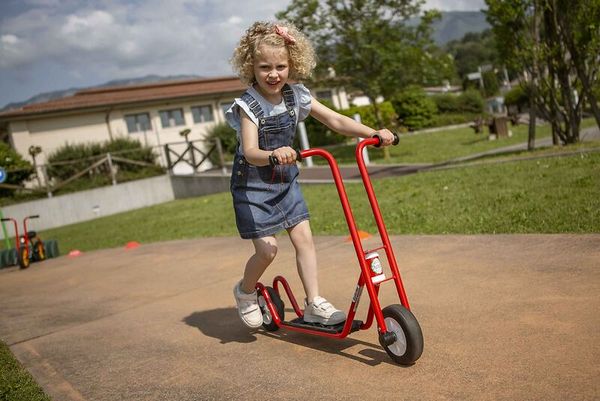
x=120, y=95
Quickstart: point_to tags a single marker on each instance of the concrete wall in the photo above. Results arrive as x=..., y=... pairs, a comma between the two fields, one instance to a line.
x=87, y=205
x=198, y=185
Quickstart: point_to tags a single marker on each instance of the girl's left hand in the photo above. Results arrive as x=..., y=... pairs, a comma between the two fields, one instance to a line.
x=387, y=138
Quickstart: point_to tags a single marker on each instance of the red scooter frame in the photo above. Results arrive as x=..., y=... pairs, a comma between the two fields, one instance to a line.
x=399, y=332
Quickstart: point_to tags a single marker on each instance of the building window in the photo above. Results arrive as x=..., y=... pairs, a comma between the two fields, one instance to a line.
x=171, y=118
x=138, y=122
x=202, y=114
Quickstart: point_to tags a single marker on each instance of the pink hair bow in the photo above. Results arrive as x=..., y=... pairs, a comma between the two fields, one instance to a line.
x=283, y=32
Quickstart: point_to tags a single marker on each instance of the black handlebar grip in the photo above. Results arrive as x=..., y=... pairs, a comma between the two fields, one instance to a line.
x=35, y=216
x=396, y=139
x=4, y=219
x=274, y=162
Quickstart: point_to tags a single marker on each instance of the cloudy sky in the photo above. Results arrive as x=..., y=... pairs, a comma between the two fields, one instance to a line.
x=48, y=45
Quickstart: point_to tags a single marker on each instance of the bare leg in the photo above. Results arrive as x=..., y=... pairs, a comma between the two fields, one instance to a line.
x=265, y=250
x=306, y=258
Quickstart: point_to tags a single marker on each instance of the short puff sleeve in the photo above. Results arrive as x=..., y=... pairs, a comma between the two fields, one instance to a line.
x=304, y=100
x=232, y=115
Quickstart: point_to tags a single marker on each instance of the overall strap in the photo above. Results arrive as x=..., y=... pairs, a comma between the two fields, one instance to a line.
x=288, y=97
x=253, y=105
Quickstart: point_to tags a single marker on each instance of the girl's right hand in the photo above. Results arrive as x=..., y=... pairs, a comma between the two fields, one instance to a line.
x=387, y=137
x=285, y=155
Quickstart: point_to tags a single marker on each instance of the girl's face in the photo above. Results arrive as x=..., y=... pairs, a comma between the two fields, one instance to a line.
x=271, y=70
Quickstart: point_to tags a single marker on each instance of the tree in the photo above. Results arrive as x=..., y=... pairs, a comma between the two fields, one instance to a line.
x=368, y=43
x=473, y=51
x=17, y=169
x=579, y=28
x=415, y=109
x=539, y=37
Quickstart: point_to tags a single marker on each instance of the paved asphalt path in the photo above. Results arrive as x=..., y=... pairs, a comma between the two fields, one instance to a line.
x=504, y=317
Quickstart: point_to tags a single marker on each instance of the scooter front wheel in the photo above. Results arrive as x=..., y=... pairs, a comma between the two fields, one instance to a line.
x=23, y=257
x=268, y=322
x=403, y=341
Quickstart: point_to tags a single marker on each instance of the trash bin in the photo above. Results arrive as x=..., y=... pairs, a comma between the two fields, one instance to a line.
x=501, y=127
x=498, y=127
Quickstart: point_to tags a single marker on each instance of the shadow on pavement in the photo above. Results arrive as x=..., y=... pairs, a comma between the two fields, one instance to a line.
x=224, y=325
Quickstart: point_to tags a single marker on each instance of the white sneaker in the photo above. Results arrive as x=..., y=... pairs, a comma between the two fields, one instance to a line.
x=321, y=311
x=248, y=308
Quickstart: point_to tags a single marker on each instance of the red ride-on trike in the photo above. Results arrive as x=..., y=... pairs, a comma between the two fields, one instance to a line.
x=29, y=245
x=399, y=331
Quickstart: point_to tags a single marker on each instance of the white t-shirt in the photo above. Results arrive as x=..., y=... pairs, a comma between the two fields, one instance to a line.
x=302, y=107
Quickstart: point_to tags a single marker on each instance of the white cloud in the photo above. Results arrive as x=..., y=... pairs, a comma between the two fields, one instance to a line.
x=84, y=24
x=9, y=40
x=452, y=5
x=234, y=19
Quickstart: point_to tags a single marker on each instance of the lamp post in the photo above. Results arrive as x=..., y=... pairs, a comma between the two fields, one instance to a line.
x=33, y=152
x=184, y=133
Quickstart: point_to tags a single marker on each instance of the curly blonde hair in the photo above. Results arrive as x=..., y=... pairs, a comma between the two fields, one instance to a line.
x=302, y=59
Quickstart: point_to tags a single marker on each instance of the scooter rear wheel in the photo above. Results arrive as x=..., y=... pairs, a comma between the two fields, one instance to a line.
x=39, y=252
x=268, y=322
x=407, y=346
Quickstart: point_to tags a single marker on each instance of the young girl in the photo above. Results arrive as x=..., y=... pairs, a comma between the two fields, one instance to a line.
x=267, y=199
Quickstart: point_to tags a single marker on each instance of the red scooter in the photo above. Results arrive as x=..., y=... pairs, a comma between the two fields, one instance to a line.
x=399, y=331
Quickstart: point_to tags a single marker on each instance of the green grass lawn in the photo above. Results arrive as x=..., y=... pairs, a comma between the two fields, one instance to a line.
x=550, y=195
x=437, y=147
x=16, y=384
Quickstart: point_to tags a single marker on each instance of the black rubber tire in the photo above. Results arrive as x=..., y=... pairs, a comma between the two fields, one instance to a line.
x=12, y=257
x=3, y=258
x=49, y=249
x=23, y=257
x=401, y=321
x=39, y=251
x=52, y=248
x=268, y=322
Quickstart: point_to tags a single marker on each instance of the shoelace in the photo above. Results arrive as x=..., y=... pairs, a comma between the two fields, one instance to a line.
x=246, y=305
x=325, y=306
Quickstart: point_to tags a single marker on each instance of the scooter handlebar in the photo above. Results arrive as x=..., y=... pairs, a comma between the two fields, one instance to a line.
x=274, y=162
x=396, y=139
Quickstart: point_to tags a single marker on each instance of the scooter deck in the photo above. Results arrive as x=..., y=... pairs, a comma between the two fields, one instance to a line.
x=334, y=329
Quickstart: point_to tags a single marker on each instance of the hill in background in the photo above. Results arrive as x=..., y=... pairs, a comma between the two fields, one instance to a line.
x=455, y=24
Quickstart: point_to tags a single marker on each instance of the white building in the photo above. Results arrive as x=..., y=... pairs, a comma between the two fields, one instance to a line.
x=155, y=114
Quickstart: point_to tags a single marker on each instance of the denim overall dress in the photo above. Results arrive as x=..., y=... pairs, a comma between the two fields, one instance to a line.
x=268, y=199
